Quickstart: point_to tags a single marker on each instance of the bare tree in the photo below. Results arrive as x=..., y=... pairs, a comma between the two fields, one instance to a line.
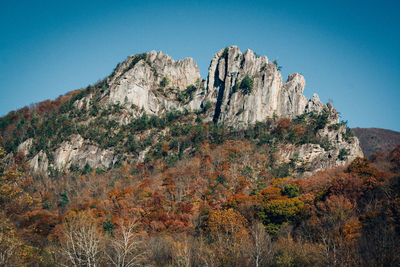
x=125, y=249
x=81, y=244
x=262, y=250
x=183, y=252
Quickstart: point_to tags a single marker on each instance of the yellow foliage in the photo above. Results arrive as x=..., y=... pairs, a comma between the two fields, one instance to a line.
x=225, y=221
x=13, y=250
x=352, y=230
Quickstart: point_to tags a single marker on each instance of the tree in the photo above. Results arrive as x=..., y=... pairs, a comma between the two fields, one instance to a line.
x=229, y=235
x=278, y=67
x=13, y=251
x=125, y=249
x=247, y=85
x=262, y=250
x=164, y=82
x=81, y=242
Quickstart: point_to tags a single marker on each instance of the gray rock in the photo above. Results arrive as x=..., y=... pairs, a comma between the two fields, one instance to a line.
x=138, y=85
x=39, y=164
x=25, y=146
x=78, y=152
x=268, y=98
x=135, y=84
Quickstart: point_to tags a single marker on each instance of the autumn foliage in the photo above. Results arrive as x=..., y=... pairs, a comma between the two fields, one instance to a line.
x=221, y=207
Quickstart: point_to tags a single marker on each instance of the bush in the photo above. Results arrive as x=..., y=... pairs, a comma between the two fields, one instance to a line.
x=278, y=211
x=87, y=169
x=172, y=159
x=225, y=53
x=290, y=190
x=281, y=171
x=207, y=106
x=246, y=85
x=343, y=153
x=348, y=134
x=164, y=82
x=108, y=227
x=64, y=199
x=221, y=179
x=278, y=67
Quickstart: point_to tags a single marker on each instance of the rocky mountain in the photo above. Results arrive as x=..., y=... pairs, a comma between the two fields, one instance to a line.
x=238, y=169
x=153, y=107
x=375, y=140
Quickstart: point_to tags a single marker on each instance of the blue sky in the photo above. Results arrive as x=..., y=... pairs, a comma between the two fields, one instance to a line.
x=348, y=51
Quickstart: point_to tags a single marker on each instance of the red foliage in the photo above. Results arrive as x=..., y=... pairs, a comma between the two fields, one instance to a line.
x=283, y=124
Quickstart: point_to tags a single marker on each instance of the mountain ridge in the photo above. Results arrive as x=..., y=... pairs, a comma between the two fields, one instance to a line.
x=149, y=93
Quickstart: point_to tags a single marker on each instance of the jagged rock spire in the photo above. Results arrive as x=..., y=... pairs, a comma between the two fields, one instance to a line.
x=137, y=81
x=268, y=96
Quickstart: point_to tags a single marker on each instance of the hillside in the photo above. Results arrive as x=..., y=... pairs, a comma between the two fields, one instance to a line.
x=151, y=101
x=375, y=140
x=155, y=166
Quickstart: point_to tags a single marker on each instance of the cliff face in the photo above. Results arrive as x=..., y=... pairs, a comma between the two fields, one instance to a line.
x=241, y=89
x=137, y=83
x=268, y=97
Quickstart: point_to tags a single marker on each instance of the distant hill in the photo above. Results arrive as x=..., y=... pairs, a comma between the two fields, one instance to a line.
x=374, y=140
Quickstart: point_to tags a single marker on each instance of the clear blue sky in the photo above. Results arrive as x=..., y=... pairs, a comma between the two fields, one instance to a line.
x=349, y=51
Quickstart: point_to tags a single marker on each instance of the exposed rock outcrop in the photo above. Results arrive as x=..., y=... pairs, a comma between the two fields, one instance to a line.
x=39, y=164
x=315, y=158
x=240, y=90
x=136, y=81
x=78, y=152
x=25, y=146
x=268, y=97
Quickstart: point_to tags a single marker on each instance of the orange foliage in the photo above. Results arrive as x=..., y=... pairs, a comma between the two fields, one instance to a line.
x=225, y=221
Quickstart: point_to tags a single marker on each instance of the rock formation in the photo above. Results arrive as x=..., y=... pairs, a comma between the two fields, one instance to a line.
x=240, y=90
x=268, y=97
x=136, y=81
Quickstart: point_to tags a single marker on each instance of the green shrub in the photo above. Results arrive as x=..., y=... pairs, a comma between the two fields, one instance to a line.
x=221, y=179
x=320, y=120
x=108, y=226
x=225, y=53
x=172, y=159
x=87, y=169
x=74, y=168
x=164, y=82
x=64, y=199
x=47, y=204
x=290, y=190
x=99, y=171
x=135, y=60
x=278, y=67
x=207, y=106
x=247, y=171
x=325, y=144
x=343, y=154
x=247, y=85
x=348, y=134
x=236, y=87
x=281, y=171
